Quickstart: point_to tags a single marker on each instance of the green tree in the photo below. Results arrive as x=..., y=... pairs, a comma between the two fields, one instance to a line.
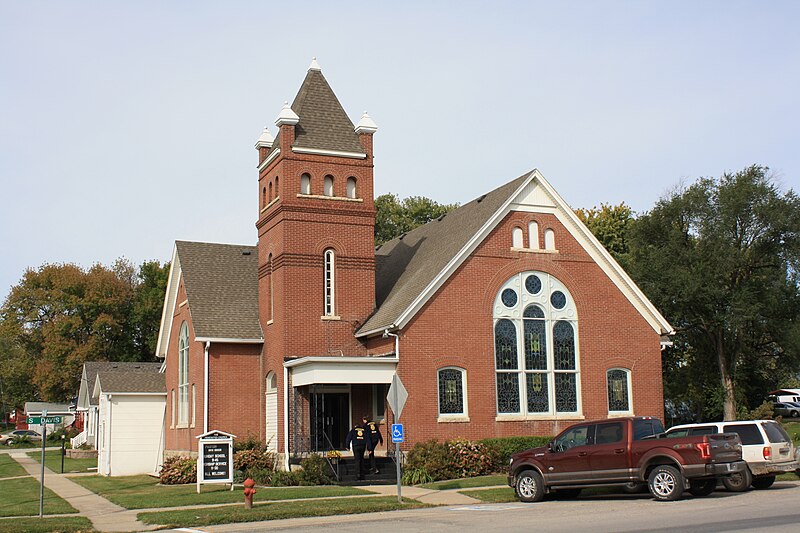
x=610, y=224
x=720, y=259
x=394, y=217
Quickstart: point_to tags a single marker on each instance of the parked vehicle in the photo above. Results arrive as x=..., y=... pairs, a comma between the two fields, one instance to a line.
x=766, y=447
x=17, y=434
x=622, y=451
x=786, y=409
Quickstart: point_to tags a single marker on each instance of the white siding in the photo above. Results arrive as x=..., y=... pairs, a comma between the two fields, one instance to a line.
x=272, y=421
x=135, y=440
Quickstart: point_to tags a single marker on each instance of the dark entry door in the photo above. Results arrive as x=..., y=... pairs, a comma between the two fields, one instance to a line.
x=330, y=418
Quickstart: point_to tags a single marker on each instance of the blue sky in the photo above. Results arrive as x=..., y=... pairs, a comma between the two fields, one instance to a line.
x=127, y=125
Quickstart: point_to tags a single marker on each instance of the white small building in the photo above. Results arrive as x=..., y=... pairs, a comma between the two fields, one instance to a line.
x=63, y=410
x=131, y=411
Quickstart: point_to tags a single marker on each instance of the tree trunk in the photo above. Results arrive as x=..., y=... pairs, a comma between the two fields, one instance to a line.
x=729, y=402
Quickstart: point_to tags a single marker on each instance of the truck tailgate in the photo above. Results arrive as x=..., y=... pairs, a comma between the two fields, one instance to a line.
x=725, y=447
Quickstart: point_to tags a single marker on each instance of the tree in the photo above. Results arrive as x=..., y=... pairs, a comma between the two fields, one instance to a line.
x=395, y=217
x=610, y=224
x=720, y=259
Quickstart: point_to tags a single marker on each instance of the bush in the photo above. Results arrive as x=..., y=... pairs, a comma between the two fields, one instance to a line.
x=261, y=476
x=765, y=411
x=470, y=459
x=178, y=470
x=432, y=456
x=316, y=470
x=416, y=476
x=253, y=459
x=250, y=442
x=503, y=448
x=280, y=478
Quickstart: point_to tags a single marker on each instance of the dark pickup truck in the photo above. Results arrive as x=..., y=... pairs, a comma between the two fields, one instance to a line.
x=625, y=452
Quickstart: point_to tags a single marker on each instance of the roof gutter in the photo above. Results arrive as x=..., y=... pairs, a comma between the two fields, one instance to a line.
x=228, y=340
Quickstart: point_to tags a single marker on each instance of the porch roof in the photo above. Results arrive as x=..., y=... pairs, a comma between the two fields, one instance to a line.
x=341, y=370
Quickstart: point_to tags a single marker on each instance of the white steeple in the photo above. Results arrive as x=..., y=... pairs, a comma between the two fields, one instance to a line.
x=314, y=65
x=366, y=124
x=287, y=116
x=265, y=140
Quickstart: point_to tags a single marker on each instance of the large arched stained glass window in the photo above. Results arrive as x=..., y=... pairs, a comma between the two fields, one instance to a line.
x=536, y=353
x=183, y=375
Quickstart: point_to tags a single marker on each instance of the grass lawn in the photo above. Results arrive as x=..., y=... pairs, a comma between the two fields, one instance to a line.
x=504, y=495
x=480, y=481
x=276, y=511
x=9, y=467
x=21, y=498
x=143, y=492
x=52, y=460
x=793, y=429
x=62, y=524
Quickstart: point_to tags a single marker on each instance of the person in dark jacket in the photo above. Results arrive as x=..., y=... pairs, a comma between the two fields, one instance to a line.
x=375, y=438
x=358, y=437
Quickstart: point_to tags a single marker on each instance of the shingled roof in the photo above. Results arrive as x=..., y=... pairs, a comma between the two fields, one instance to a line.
x=324, y=124
x=408, y=264
x=92, y=368
x=121, y=382
x=222, y=288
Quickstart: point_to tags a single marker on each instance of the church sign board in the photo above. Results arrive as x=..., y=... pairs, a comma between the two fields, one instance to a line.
x=215, y=458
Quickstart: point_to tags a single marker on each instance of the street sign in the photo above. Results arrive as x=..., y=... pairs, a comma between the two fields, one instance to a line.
x=397, y=396
x=39, y=420
x=397, y=433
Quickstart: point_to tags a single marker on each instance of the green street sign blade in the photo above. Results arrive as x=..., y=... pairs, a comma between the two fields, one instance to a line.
x=38, y=420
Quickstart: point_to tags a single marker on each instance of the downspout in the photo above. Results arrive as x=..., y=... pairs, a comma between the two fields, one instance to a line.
x=205, y=387
x=286, y=418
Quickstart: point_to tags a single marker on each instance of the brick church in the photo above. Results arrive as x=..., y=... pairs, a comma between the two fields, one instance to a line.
x=504, y=317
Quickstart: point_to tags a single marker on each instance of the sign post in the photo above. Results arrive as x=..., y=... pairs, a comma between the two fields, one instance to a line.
x=396, y=398
x=215, y=458
x=41, y=481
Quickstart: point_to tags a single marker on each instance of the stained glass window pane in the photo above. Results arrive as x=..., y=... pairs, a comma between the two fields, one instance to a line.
x=451, y=393
x=533, y=284
x=538, y=401
x=509, y=298
x=533, y=311
x=617, y=390
x=535, y=338
x=558, y=299
x=564, y=345
x=566, y=393
x=505, y=345
x=507, y=393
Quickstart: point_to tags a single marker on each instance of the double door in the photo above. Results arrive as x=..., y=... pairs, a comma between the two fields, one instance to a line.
x=330, y=420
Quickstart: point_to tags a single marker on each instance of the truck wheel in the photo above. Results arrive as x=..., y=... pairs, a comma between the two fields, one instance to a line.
x=634, y=487
x=665, y=483
x=702, y=487
x=764, y=482
x=738, y=482
x=529, y=487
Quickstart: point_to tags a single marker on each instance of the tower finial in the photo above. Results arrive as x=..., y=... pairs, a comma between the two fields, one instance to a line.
x=366, y=125
x=287, y=116
x=265, y=140
x=314, y=65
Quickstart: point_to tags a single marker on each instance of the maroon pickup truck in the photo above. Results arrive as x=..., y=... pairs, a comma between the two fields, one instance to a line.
x=625, y=452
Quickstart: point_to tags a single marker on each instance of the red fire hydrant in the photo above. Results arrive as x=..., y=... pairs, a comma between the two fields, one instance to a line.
x=249, y=491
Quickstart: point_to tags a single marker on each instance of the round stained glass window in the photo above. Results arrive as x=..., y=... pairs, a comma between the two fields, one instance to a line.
x=558, y=299
x=509, y=298
x=533, y=284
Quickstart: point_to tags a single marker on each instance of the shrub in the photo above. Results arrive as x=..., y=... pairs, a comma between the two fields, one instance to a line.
x=281, y=478
x=416, y=476
x=432, y=456
x=501, y=449
x=316, y=470
x=261, y=476
x=469, y=458
x=178, y=470
x=250, y=442
x=764, y=411
x=253, y=459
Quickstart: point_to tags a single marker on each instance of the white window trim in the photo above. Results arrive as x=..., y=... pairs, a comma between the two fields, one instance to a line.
x=453, y=417
x=629, y=411
x=183, y=376
x=329, y=283
x=376, y=416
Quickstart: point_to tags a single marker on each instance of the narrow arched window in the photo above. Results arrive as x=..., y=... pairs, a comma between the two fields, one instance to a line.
x=618, y=381
x=263, y=197
x=351, y=187
x=452, y=392
x=305, y=184
x=516, y=238
x=272, y=382
x=328, y=190
x=533, y=235
x=183, y=375
x=329, y=282
x=270, y=191
x=277, y=187
x=549, y=239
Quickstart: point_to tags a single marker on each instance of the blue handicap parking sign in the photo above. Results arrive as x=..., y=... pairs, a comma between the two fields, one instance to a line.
x=397, y=432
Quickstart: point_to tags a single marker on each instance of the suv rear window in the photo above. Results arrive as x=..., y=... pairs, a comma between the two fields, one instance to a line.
x=703, y=430
x=775, y=433
x=646, y=427
x=749, y=433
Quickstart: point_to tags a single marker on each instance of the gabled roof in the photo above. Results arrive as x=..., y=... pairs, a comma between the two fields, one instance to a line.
x=411, y=268
x=323, y=125
x=122, y=382
x=92, y=368
x=51, y=408
x=221, y=283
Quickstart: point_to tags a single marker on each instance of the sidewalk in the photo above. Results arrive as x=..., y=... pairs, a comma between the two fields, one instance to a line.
x=105, y=516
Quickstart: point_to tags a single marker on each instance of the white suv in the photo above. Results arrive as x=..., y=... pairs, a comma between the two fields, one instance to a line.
x=766, y=447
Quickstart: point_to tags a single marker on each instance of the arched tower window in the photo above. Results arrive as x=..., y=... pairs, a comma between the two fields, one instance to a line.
x=271, y=289
x=328, y=188
x=516, y=238
x=270, y=191
x=533, y=235
x=277, y=188
x=183, y=375
x=351, y=187
x=329, y=282
x=549, y=239
x=536, y=353
x=305, y=184
x=263, y=197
